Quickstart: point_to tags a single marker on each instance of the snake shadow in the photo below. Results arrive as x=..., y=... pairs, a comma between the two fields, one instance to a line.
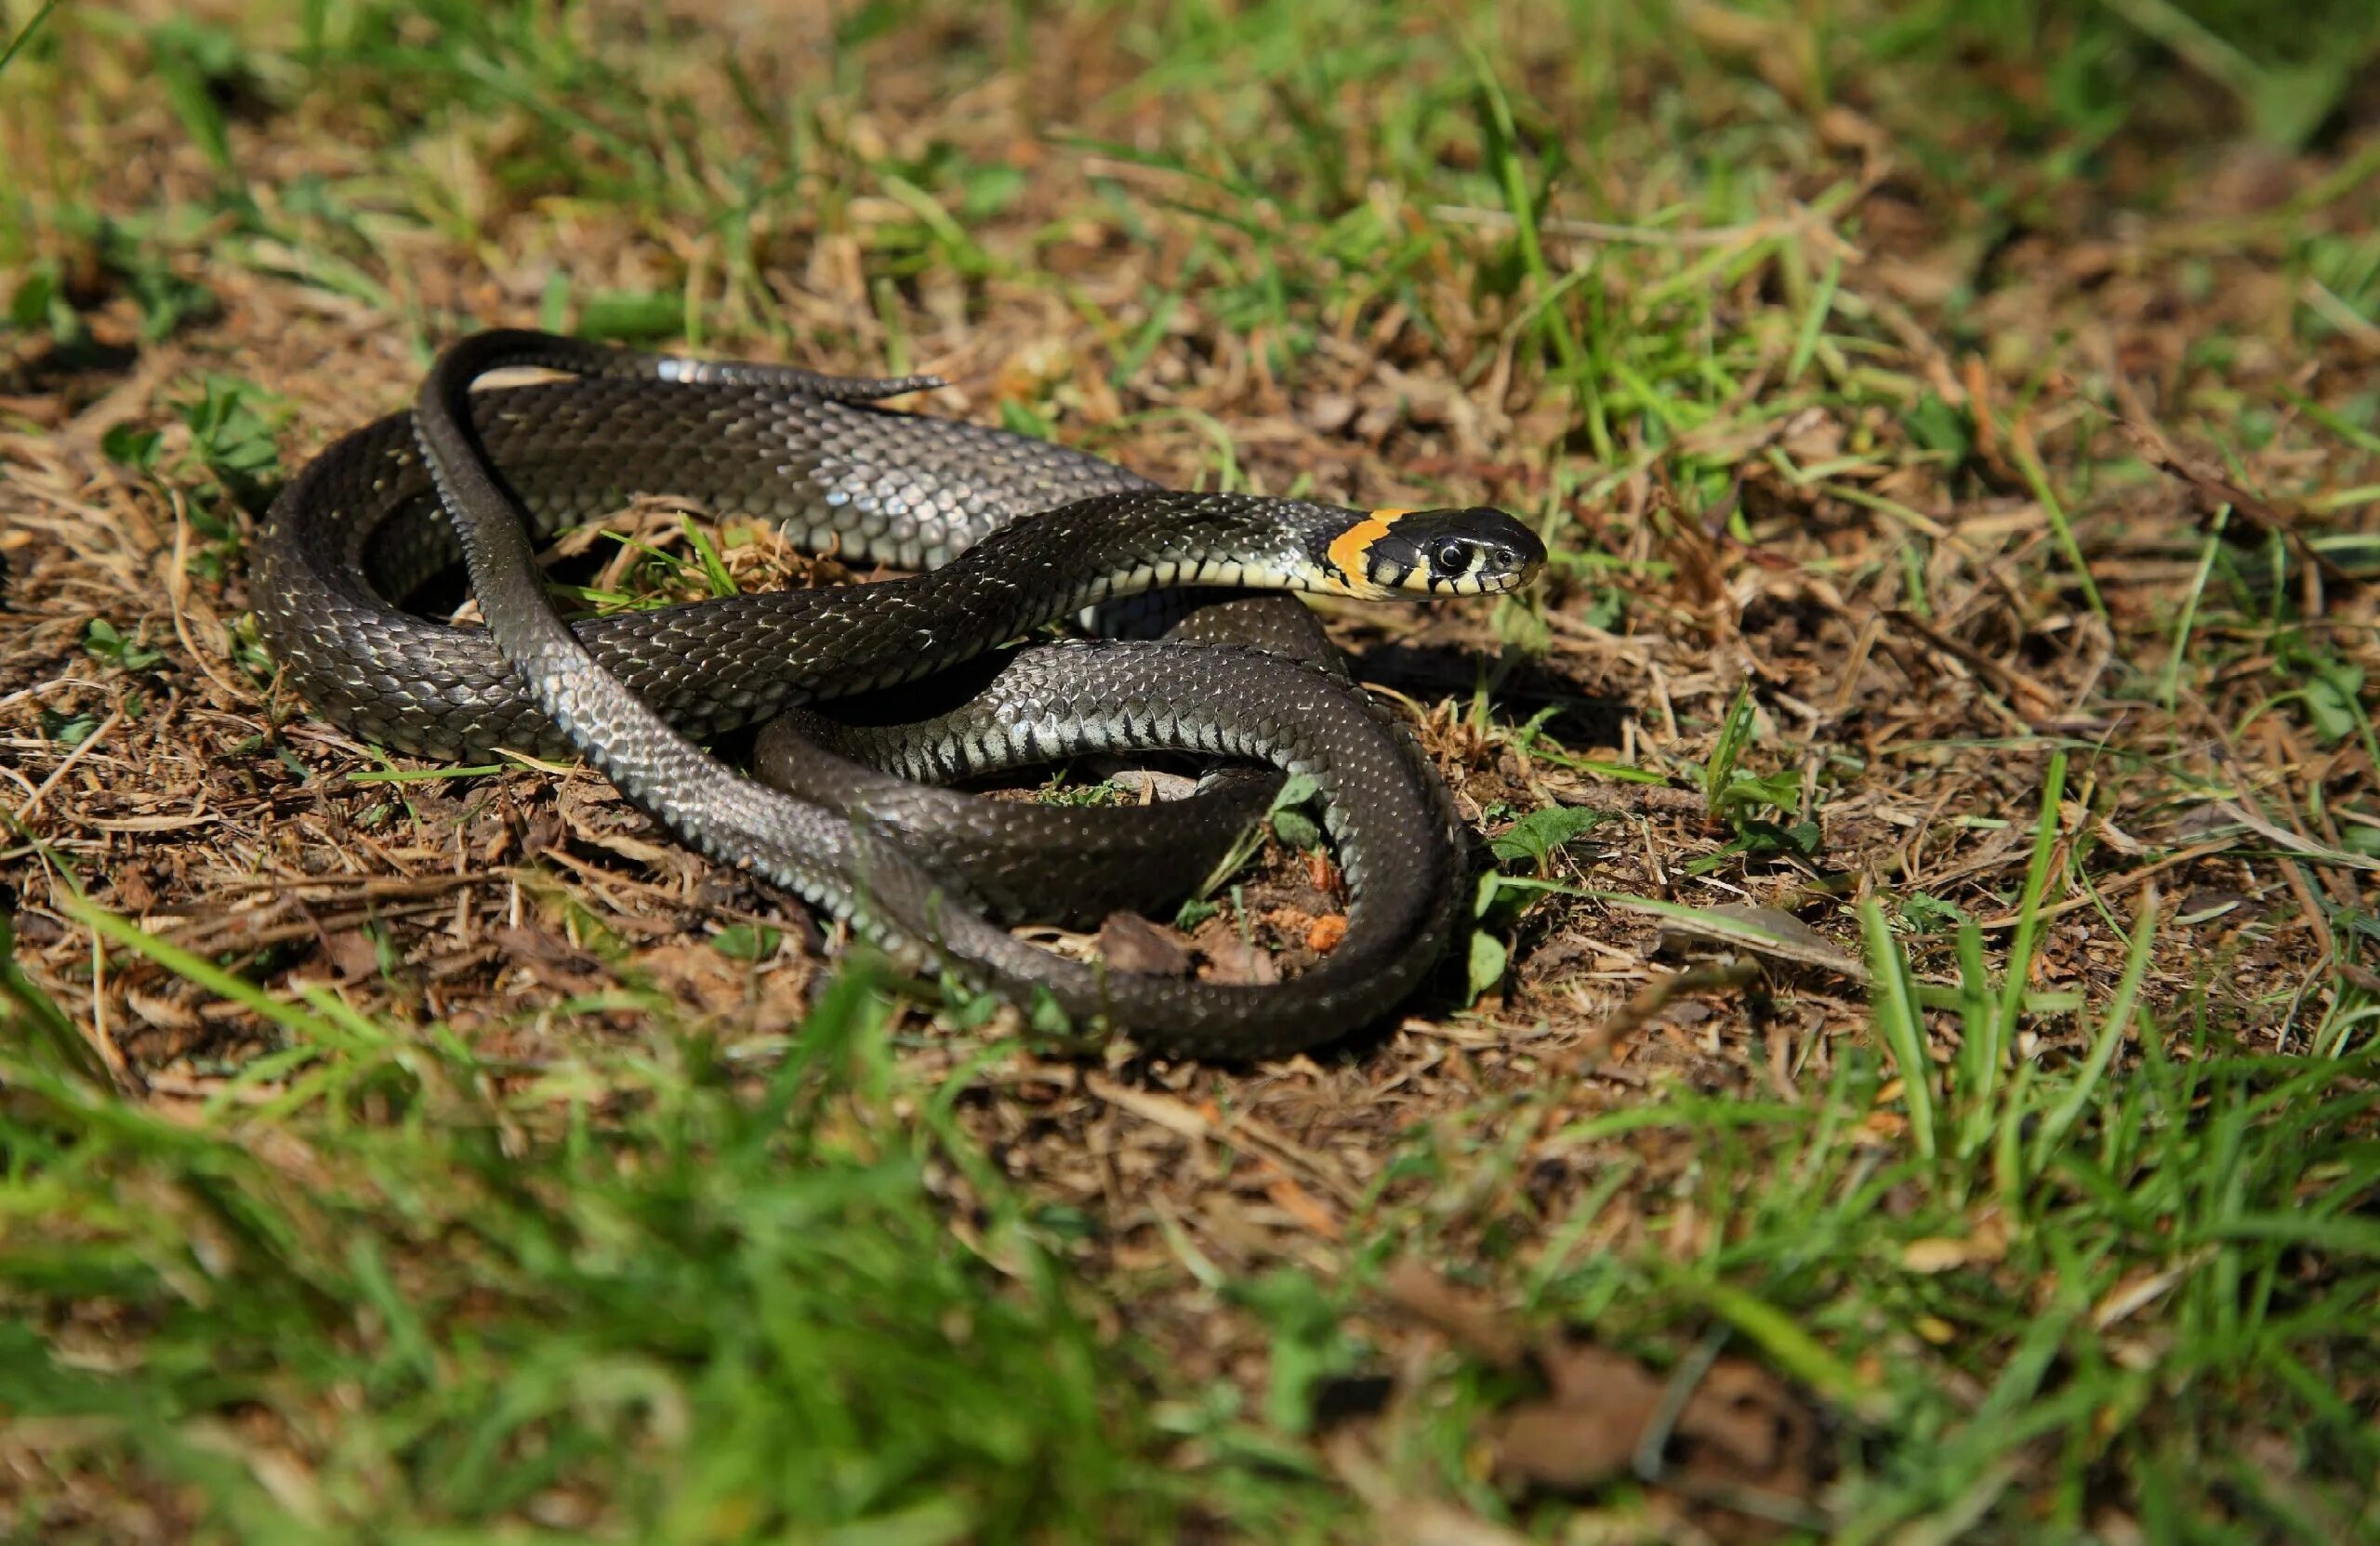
x=1581, y=718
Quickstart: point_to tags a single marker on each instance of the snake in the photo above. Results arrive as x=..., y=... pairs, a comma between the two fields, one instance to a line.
x=1005, y=535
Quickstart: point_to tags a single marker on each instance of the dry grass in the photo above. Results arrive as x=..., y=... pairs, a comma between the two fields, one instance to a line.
x=1973, y=428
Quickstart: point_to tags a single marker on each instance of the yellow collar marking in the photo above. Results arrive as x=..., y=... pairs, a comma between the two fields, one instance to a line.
x=1346, y=551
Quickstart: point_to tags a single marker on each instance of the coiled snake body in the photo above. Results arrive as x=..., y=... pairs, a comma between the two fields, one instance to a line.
x=918, y=869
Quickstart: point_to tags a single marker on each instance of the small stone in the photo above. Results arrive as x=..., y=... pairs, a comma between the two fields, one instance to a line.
x=1329, y=412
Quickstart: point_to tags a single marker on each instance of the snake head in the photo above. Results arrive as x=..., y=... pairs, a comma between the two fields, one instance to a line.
x=1392, y=554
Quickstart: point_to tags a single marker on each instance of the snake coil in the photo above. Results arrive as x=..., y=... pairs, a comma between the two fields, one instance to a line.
x=1011, y=534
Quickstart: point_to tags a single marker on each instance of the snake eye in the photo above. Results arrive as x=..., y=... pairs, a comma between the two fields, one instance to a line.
x=1450, y=558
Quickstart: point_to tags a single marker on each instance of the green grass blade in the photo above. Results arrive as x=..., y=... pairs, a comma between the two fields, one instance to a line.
x=30, y=1017
x=1806, y=341
x=1735, y=733
x=25, y=33
x=2037, y=478
x=1794, y=1350
x=2029, y=906
x=205, y=974
x=2112, y=1027
x=1899, y=1022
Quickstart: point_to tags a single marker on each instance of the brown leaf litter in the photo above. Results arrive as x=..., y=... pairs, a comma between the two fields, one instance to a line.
x=1722, y=1434
x=1913, y=631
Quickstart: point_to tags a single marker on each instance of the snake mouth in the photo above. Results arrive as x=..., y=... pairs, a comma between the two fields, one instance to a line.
x=1395, y=554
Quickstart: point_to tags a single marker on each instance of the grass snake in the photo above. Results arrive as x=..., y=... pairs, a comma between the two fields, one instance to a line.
x=1009, y=534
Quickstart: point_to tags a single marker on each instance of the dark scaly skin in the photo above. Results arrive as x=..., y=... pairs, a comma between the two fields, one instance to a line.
x=1068, y=865
x=1398, y=837
x=361, y=524
x=1396, y=827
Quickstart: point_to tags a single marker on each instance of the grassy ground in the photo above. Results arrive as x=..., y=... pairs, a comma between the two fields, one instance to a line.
x=1914, y=1074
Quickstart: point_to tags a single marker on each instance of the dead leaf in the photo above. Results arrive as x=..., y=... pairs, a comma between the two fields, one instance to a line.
x=1329, y=412
x=1933, y=1254
x=1739, y=1431
x=704, y=978
x=1147, y=786
x=1131, y=942
x=1588, y=1433
x=1987, y=1243
x=1302, y=1205
x=1231, y=958
x=1751, y=1429
x=133, y=892
x=1464, y=1319
x=353, y=955
x=1843, y=129
x=550, y=959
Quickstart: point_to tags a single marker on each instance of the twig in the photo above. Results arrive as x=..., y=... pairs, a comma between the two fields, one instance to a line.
x=359, y=885
x=2014, y=683
x=82, y=749
x=2213, y=488
x=1649, y=1000
x=2126, y=881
